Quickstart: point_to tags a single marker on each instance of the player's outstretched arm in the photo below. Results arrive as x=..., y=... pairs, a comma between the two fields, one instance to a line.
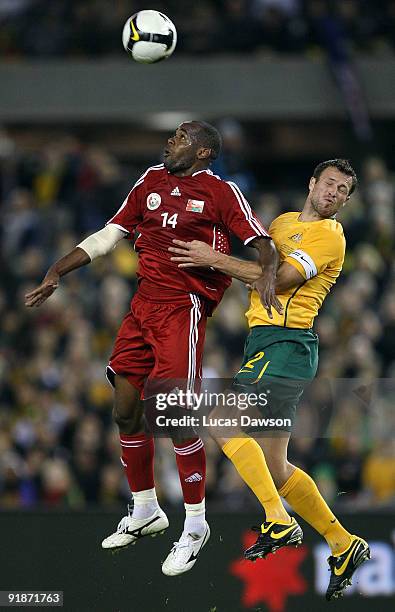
x=197, y=254
x=95, y=245
x=262, y=275
x=75, y=259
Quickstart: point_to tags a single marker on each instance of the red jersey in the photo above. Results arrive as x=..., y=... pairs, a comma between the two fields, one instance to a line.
x=162, y=207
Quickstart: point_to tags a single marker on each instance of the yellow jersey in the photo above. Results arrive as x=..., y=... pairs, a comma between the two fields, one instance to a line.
x=316, y=249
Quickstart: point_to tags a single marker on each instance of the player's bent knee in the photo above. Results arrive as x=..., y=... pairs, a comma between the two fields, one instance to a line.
x=280, y=473
x=129, y=424
x=277, y=467
x=215, y=433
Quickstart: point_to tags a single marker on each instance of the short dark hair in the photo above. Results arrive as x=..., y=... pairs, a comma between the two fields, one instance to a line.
x=343, y=165
x=208, y=136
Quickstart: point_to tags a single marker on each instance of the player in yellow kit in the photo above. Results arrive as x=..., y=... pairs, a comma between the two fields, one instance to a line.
x=281, y=354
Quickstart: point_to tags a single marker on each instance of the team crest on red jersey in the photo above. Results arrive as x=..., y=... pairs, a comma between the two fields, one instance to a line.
x=153, y=201
x=195, y=206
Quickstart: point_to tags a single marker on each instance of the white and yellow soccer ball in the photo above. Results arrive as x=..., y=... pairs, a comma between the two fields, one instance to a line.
x=149, y=37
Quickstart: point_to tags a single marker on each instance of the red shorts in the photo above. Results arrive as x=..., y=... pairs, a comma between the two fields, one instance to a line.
x=160, y=341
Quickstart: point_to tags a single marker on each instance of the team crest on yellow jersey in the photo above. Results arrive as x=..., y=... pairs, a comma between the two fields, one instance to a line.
x=296, y=237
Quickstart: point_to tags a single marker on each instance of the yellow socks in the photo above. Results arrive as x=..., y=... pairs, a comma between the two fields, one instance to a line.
x=249, y=460
x=300, y=491
x=302, y=494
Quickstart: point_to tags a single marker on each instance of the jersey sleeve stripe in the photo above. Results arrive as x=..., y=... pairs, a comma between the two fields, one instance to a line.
x=121, y=207
x=142, y=177
x=118, y=226
x=137, y=183
x=305, y=261
x=251, y=238
x=246, y=208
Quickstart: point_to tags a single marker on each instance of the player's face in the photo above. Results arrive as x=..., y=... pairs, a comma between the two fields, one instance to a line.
x=329, y=192
x=180, y=152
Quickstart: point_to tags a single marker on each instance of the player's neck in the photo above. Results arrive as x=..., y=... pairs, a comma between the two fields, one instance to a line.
x=189, y=171
x=309, y=214
x=306, y=216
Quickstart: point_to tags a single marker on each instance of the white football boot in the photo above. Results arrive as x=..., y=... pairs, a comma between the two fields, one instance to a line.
x=184, y=553
x=130, y=530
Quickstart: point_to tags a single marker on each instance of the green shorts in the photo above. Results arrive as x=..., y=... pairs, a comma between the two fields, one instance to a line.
x=278, y=363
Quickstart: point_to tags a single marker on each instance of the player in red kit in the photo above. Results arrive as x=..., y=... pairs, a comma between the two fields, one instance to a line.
x=161, y=338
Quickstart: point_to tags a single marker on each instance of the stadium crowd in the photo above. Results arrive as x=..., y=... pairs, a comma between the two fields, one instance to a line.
x=78, y=28
x=58, y=445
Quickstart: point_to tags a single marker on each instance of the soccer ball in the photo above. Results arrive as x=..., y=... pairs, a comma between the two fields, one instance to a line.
x=149, y=37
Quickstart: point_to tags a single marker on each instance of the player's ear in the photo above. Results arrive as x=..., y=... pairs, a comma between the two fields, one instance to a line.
x=312, y=182
x=203, y=153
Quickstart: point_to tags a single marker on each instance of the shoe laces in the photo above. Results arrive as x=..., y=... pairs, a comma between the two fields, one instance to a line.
x=183, y=542
x=123, y=524
x=259, y=529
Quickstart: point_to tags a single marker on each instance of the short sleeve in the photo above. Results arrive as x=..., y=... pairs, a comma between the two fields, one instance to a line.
x=237, y=215
x=128, y=216
x=320, y=250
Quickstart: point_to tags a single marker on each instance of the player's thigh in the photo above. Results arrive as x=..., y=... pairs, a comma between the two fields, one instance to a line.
x=177, y=341
x=277, y=374
x=279, y=352
x=132, y=357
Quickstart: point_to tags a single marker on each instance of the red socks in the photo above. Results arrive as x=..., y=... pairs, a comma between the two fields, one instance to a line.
x=138, y=460
x=191, y=463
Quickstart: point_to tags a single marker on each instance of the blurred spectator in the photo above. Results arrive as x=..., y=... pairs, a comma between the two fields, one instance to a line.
x=12, y=8
x=22, y=223
x=286, y=7
x=348, y=464
x=379, y=473
x=233, y=162
x=240, y=32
